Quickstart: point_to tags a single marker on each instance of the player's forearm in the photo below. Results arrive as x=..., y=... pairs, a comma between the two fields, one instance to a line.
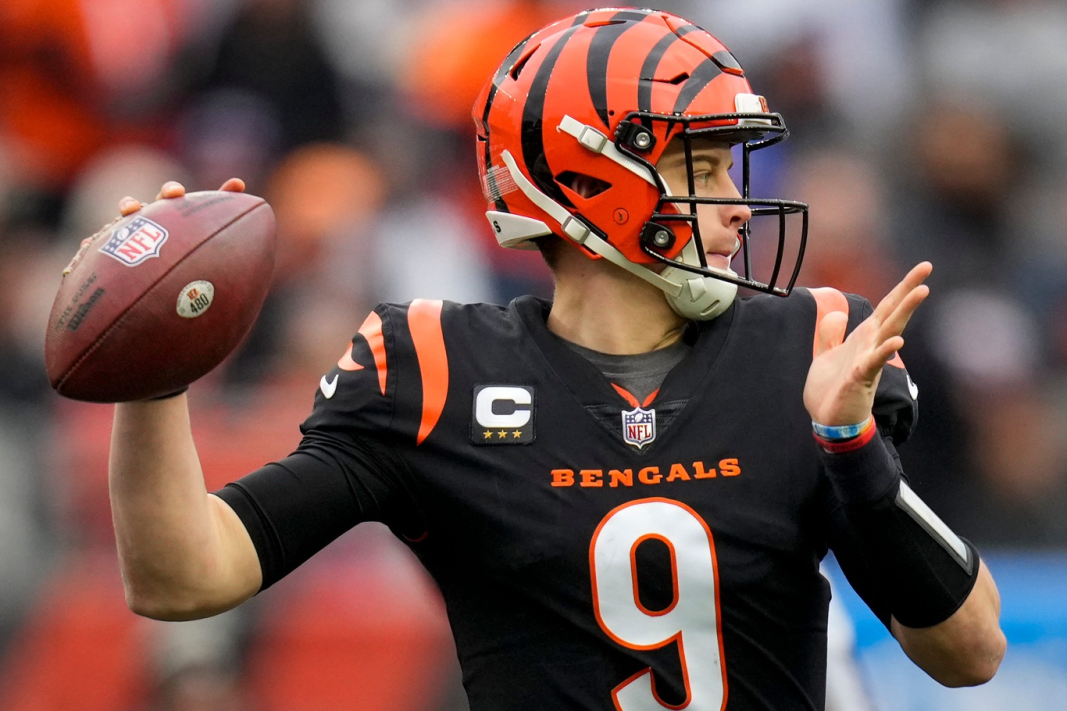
x=945, y=608
x=966, y=649
x=179, y=548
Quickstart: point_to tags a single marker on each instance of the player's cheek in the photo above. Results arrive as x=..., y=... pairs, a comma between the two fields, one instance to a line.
x=710, y=217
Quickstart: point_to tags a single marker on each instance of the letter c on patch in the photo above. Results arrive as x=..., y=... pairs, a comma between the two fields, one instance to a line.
x=517, y=400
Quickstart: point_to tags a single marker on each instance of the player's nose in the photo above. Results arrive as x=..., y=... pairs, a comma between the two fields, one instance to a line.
x=733, y=216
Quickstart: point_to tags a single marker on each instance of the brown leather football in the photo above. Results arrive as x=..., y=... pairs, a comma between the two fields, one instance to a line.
x=156, y=300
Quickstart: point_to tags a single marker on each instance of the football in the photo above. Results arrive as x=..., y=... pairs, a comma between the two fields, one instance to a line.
x=159, y=298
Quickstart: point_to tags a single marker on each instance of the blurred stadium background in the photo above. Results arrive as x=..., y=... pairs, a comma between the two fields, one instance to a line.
x=922, y=129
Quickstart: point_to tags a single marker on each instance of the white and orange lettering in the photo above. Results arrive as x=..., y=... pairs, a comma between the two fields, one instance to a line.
x=625, y=477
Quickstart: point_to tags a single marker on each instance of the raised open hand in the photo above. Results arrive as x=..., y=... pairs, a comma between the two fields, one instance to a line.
x=844, y=373
x=173, y=189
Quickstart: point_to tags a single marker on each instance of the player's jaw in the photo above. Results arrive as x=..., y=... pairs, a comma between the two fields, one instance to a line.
x=720, y=233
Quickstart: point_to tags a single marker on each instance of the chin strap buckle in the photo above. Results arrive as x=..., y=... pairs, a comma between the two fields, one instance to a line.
x=576, y=230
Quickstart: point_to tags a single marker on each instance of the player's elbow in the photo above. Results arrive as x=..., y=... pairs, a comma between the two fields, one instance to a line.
x=973, y=662
x=159, y=608
x=171, y=605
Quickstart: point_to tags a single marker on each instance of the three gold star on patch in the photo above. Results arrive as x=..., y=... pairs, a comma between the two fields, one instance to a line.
x=502, y=434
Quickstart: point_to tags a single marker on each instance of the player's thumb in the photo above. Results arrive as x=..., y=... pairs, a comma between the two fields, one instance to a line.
x=831, y=332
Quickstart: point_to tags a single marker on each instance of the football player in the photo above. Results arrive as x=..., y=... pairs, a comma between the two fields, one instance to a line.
x=624, y=494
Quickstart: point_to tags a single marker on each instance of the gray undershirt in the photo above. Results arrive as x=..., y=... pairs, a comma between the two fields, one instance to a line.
x=640, y=374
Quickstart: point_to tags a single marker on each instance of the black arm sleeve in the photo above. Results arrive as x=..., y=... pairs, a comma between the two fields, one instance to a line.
x=897, y=562
x=858, y=565
x=295, y=507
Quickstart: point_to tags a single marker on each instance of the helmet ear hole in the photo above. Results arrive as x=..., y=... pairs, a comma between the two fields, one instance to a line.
x=658, y=237
x=635, y=137
x=582, y=185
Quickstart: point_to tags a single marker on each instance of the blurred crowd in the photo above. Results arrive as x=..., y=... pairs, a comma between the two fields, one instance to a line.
x=921, y=129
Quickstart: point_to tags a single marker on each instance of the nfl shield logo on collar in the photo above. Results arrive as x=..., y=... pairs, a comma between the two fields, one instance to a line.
x=639, y=426
x=136, y=242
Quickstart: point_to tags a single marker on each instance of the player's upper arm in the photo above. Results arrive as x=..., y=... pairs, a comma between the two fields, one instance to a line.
x=346, y=469
x=243, y=577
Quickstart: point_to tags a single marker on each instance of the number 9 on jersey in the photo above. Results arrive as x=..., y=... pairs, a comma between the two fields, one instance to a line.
x=691, y=619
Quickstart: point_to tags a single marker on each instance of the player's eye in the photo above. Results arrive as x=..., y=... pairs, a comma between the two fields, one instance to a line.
x=702, y=179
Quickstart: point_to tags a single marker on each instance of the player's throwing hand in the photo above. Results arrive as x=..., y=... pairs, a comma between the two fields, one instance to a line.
x=172, y=189
x=844, y=375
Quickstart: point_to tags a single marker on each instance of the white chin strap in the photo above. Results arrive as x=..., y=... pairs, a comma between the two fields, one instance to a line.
x=691, y=295
x=702, y=297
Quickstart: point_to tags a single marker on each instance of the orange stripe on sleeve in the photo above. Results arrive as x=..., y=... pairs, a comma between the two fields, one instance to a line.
x=424, y=321
x=346, y=362
x=372, y=331
x=827, y=300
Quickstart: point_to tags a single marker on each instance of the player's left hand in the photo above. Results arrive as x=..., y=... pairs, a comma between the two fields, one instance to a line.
x=844, y=373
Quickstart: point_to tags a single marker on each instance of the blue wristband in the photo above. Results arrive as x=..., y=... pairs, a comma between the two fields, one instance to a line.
x=840, y=432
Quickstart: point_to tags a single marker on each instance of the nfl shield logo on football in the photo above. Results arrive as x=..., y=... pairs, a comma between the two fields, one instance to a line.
x=639, y=426
x=135, y=242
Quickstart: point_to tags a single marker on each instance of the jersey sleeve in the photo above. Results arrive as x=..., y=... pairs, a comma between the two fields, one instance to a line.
x=346, y=470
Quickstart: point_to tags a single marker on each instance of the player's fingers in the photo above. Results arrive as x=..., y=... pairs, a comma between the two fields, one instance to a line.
x=831, y=332
x=171, y=189
x=895, y=323
x=892, y=300
x=912, y=279
x=233, y=185
x=129, y=205
x=881, y=355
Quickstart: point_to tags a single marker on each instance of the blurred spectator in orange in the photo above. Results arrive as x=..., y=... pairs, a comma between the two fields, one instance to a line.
x=326, y=198
x=77, y=75
x=456, y=47
x=322, y=195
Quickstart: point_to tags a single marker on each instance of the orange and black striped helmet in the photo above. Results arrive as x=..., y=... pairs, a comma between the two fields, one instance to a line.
x=598, y=97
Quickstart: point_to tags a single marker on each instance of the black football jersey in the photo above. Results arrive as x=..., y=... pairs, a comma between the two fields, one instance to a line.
x=594, y=552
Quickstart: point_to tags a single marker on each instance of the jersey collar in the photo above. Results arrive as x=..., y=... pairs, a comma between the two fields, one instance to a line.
x=586, y=382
